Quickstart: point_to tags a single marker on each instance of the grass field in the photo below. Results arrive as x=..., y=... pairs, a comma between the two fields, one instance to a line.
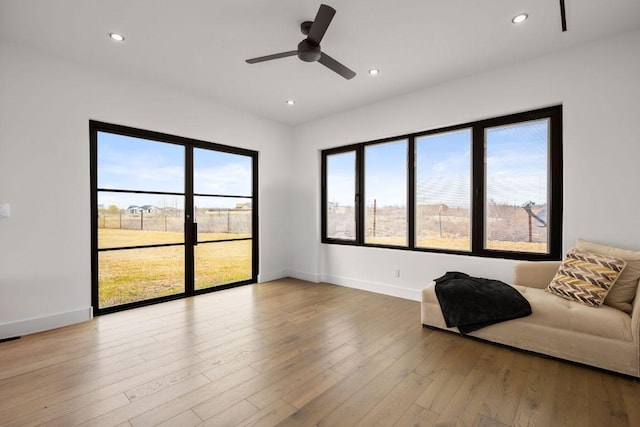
x=138, y=274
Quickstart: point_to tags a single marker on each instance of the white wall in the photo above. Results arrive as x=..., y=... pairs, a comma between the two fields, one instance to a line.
x=599, y=87
x=45, y=107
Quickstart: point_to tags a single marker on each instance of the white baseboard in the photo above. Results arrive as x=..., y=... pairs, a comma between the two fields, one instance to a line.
x=380, y=288
x=273, y=275
x=309, y=277
x=44, y=323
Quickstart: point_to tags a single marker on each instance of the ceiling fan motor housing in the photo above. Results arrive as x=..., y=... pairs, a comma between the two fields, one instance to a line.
x=308, y=51
x=305, y=27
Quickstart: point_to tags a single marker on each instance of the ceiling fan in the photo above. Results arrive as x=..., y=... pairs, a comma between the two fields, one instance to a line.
x=309, y=48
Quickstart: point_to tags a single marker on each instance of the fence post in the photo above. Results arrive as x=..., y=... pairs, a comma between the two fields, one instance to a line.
x=141, y=218
x=375, y=208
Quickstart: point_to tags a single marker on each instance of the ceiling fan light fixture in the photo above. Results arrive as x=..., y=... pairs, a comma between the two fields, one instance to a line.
x=291, y=102
x=374, y=72
x=117, y=37
x=520, y=18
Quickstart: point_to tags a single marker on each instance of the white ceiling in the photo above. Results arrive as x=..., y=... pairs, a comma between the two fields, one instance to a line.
x=200, y=46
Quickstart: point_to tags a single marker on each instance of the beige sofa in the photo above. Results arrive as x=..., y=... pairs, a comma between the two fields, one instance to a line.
x=603, y=337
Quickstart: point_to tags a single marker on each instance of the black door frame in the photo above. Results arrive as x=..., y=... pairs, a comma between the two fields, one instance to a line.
x=190, y=232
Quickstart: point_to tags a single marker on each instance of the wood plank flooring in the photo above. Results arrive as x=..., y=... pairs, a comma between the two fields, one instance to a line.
x=293, y=353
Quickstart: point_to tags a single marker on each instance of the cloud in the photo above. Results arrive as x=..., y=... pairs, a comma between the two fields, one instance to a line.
x=230, y=179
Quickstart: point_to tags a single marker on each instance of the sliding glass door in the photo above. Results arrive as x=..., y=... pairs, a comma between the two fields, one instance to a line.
x=172, y=217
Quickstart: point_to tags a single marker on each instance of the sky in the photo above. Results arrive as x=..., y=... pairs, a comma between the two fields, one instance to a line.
x=516, y=165
x=127, y=163
x=516, y=168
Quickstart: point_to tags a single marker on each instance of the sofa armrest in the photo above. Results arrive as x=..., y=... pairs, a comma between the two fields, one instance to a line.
x=635, y=326
x=635, y=323
x=535, y=274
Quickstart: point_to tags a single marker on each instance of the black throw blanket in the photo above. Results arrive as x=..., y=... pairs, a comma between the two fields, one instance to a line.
x=471, y=303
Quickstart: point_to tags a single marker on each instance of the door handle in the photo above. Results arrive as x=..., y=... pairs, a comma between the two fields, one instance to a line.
x=195, y=234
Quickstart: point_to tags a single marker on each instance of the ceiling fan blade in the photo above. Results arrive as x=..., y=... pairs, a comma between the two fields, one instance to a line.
x=270, y=57
x=321, y=23
x=334, y=65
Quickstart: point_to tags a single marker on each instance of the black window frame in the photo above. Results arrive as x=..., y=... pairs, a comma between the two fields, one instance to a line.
x=478, y=176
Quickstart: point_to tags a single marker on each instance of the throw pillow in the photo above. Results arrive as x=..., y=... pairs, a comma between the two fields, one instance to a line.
x=585, y=277
x=622, y=294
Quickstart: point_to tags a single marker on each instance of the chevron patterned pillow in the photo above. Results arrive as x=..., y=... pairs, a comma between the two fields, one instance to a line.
x=585, y=277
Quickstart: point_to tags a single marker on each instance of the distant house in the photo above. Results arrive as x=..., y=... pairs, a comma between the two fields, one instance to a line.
x=243, y=206
x=143, y=208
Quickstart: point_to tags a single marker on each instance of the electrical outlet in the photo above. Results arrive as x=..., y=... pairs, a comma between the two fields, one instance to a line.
x=397, y=272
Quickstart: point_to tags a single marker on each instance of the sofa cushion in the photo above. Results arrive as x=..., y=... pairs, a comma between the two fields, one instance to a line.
x=586, y=277
x=623, y=292
x=560, y=313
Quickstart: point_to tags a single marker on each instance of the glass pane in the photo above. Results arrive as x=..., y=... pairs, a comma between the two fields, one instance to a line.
x=222, y=263
x=341, y=195
x=127, y=163
x=131, y=275
x=443, y=191
x=219, y=173
x=135, y=219
x=517, y=187
x=386, y=193
x=221, y=218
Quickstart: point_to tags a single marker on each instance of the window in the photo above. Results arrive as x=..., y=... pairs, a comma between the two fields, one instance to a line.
x=340, y=196
x=385, y=189
x=443, y=190
x=489, y=188
x=516, y=187
x=171, y=217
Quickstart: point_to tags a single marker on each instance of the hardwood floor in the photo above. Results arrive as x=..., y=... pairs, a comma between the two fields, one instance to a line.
x=293, y=353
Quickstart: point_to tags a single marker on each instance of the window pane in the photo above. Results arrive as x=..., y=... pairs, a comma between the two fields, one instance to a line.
x=386, y=193
x=219, y=173
x=222, y=263
x=131, y=275
x=137, y=219
x=341, y=195
x=443, y=190
x=127, y=163
x=221, y=218
x=516, y=199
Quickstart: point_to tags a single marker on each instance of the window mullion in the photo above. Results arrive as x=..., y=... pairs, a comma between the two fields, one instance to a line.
x=556, y=192
x=411, y=193
x=477, y=194
x=324, y=200
x=360, y=201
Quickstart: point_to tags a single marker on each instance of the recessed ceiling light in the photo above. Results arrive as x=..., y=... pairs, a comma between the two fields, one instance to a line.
x=374, y=72
x=117, y=37
x=520, y=18
x=290, y=102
